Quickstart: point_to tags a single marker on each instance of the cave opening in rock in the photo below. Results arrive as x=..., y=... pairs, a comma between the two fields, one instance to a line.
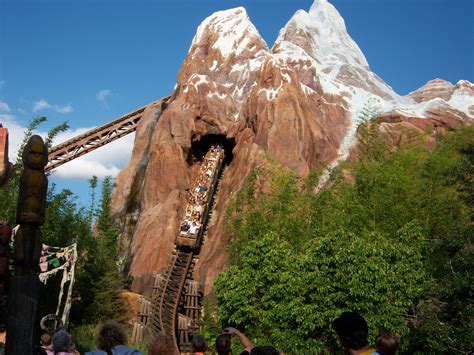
x=200, y=147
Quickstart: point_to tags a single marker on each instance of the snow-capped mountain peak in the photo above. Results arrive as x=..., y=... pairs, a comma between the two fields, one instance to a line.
x=233, y=30
x=332, y=40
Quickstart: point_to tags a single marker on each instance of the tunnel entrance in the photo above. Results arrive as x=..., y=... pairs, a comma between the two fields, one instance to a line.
x=200, y=147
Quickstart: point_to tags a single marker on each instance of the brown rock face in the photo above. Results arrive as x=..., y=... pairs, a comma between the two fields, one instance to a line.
x=295, y=105
x=436, y=88
x=5, y=165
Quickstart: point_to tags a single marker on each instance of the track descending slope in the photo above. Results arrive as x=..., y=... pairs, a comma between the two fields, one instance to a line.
x=170, y=300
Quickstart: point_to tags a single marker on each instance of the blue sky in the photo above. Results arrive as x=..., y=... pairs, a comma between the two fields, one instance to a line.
x=88, y=61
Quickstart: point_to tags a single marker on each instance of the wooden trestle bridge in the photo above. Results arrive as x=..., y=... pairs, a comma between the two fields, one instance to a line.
x=174, y=307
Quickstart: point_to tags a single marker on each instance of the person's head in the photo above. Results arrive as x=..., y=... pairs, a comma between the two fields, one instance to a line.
x=110, y=335
x=387, y=343
x=46, y=339
x=62, y=341
x=352, y=330
x=223, y=344
x=199, y=343
x=161, y=345
x=264, y=350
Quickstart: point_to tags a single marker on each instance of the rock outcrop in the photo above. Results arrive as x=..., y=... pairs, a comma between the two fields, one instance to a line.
x=5, y=165
x=436, y=88
x=297, y=104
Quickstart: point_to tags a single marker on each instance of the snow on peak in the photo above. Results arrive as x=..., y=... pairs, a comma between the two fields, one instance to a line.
x=233, y=30
x=326, y=35
x=333, y=37
x=321, y=36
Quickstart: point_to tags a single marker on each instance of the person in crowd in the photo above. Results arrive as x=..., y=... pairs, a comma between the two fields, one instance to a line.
x=246, y=343
x=249, y=349
x=3, y=336
x=162, y=345
x=199, y=345
x=63, y=343
x=194, y=228
x=189, y=211
x=112, y=340
x=47, y=344
x=184, y=227
x=223, y=344
x=197, y=216
x=352, y=330
x=386, y=343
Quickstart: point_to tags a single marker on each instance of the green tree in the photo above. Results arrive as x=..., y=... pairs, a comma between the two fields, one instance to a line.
x=93, y=187
x=289, y=298
x=100, y=280
x=371, y=145
x=394, y=243
x=65, y=223
x=9, y=193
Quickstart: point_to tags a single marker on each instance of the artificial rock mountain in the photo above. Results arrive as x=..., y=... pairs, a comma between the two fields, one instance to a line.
x=298, y=103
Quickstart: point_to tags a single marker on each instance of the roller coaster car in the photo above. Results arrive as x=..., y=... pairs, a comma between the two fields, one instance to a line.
x=195, y=221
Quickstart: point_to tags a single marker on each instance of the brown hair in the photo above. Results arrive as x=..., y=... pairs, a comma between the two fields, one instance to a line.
x=387, y=342
x=161, y=345
x=110, y=335
x=46, y=339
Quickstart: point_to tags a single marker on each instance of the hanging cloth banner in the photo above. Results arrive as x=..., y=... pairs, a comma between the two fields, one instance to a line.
x=60, y=259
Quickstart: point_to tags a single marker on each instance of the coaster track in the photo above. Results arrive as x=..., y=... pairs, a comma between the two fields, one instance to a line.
x=97, y=137
x=176, y=288
x=168, y=304
x=169, y=300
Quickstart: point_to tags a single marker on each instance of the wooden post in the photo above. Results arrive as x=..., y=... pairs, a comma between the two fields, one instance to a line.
x=25, y=285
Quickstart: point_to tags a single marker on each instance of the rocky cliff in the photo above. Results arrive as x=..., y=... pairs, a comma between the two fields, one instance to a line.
x=297, y=104
x=5, y=165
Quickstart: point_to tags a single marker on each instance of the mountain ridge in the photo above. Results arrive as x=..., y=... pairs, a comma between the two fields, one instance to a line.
x=298, y=105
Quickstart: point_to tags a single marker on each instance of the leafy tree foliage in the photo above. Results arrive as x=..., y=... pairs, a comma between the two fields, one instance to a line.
x=9, y=193
x=288, y=298
x=99, y=278
x=391, y=238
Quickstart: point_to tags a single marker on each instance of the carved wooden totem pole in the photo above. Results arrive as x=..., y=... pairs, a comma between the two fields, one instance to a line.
x=5, y=234
x=25, y=285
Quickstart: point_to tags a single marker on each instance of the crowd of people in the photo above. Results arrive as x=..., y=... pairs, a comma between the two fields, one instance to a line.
x=350, y=327
x=111, y=340
x=199, y=193
x=353, y=331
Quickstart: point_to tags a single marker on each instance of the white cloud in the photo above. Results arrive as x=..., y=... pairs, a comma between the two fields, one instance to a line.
x=84, y=169
x=45, y=105
x=41, y=105
x=15, y=134
x=104, y=161
x=4, y=107
x=102, y=96
x=63, y=109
